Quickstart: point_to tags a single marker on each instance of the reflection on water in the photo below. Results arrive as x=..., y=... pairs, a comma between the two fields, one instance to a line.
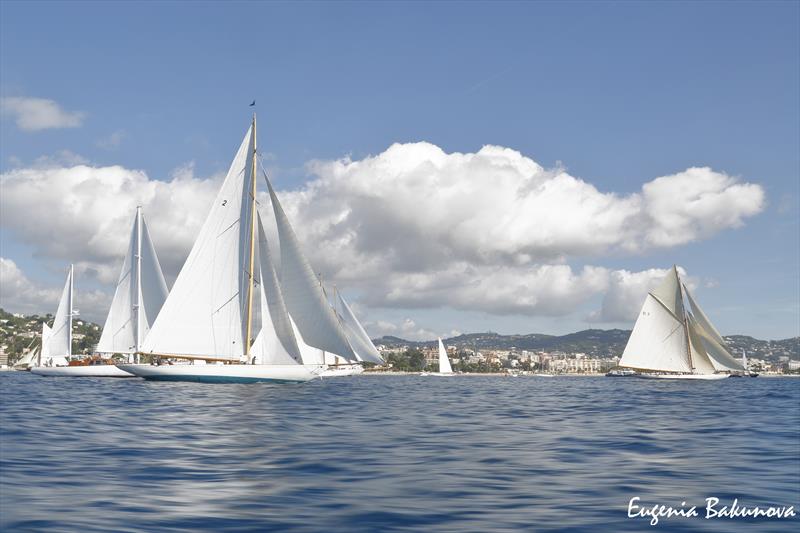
x=384, y=453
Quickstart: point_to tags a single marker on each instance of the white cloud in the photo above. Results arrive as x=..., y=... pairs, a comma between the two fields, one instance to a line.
x=407, y=329
x=34, y=114
x=412, y=227
x=626, y=292
x=84, y=213
x=19, y=294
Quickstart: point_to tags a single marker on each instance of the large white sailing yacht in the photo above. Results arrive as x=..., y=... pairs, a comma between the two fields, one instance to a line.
x=669, y=342
x=231, y=313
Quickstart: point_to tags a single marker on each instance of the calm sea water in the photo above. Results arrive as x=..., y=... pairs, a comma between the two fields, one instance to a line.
x=392, y=453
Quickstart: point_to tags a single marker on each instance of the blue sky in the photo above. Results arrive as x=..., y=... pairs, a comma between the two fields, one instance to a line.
x=617, y=93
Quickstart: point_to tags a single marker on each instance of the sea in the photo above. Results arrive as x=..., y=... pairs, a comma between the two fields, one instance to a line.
x=395, y=453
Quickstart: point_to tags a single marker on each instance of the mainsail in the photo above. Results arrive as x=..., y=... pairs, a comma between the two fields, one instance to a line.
x=206, y=313
x=359, y=340
x=303, y=294
x=59, y=336
x=444, y=362
x=141, y=291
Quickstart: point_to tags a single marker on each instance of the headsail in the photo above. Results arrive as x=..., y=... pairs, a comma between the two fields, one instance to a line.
x=718, y=355
x=141, y=291
x=275, y=343
x=702, y=319
x=205, y=313
x=359, y=340
x=700, y=357
x=303, y=293
x=658, y=340
x=444, y=362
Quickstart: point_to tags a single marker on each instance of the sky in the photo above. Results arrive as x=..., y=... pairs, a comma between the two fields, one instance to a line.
x=451, y=167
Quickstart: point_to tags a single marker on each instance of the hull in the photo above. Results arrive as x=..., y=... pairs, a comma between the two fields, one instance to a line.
x=345, y=370
x=224, y=373
x=93, y=371
x=704, y=377
x=437, y=374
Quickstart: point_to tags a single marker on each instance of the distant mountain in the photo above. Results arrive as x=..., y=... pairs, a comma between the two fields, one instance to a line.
x=595, y=342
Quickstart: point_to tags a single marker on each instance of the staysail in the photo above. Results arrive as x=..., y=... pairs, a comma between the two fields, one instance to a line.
x=140, y=293
x=444, y=362
x=206, y=311
x=275, y=343
x=302, y=292
x=359, y=340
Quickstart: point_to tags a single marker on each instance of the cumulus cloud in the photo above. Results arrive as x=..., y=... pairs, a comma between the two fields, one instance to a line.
x=407, y=329
x=84, y=213
x=626, y=291
x=34, y=114
x=412, y=227
x=19, y=294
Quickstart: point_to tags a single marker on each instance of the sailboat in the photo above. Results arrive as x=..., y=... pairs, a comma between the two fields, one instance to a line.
x=358, y=339
x=28, y=357
x=231, y=313
x=746, y=372
x=669, y=342
x=57, y=340
x=140, y=293
x=445, y=370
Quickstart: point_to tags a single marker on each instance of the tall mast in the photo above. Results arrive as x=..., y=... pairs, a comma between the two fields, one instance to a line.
x=685, y=320
x=252, y=246
x=138, y=285
x=71, y=310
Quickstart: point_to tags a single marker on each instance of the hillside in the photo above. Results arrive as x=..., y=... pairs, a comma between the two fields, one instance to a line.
x=17, y=332
x=596, y=342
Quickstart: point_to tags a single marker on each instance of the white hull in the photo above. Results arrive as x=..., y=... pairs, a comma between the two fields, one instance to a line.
x=342, y=370
x=225, y=373
x=705, y=377
x=438, y=374
x=94, y=371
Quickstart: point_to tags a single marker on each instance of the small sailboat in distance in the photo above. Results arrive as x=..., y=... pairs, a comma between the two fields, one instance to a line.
x=669, y=342
x=445, y=370
x=57, y=340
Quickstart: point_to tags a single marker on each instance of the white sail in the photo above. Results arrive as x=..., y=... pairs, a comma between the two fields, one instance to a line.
x=303, y=293
x=275, y=343
x=310, y=355
x=205, y=313
x=658, y=340
x=444, y=362
x=702, y=319
x=140, y=293
x=719, y=356
x=359, y=340
x=744, y=359
x=44, y=354
x=701, y=362
x=669, y=293
x=59, y=341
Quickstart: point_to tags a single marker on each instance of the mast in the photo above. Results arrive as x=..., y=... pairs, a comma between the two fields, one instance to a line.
x=685, y=320
x=138, y=286
x=71, y=310
x=252, y=246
